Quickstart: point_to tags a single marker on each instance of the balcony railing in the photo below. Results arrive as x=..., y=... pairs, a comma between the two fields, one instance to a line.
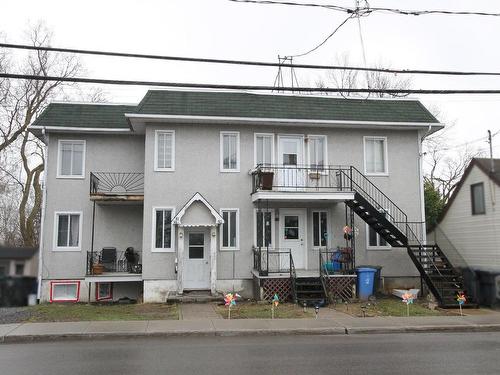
x=111, y=261
x=116, y=184
x=272, y=260
x=300, y=178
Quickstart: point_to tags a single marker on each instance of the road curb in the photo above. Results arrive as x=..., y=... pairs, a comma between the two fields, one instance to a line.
x=12, y=338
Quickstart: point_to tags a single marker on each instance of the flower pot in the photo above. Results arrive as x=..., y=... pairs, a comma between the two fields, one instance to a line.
x=266, y=180
x=97, y=269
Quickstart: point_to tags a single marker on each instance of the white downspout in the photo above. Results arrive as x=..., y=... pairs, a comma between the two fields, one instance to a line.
x=42, y=218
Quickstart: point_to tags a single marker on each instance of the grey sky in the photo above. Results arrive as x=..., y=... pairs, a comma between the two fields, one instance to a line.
x=222, y=29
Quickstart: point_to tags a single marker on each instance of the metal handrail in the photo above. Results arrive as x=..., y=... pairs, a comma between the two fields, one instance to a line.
x=293, y=278
x=116, y=183
x=119, y=264
x=271, y=260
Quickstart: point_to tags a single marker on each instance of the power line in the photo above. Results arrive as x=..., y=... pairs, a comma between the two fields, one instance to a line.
x=245, y=62
x=368, y=9
x=243, y=87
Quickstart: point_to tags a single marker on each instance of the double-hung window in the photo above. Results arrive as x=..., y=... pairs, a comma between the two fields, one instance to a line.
x=163, y=229
x=375, y=156
x=165, y=150
x=264, y=230
x=317, y=151
x=68, y=228
x=264, y=149
x=230, y=229
x=477, y=199
x=320, y=229
x=230, y=151
x=71, y=159
x=374, y=240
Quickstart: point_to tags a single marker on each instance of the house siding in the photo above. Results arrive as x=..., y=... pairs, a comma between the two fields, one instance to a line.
x=476, y=237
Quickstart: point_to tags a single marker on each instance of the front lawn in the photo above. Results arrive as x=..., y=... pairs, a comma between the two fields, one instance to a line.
x=252, y=310
x=389, y=306
x=74, y=312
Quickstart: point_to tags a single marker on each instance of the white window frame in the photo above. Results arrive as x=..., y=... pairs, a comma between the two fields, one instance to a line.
x=378, y=247
x=386, y=159
x=255, y=135
x=327, y=229
x=272, y=225
x=221, y=147
x=156, y=168
x=56, y=230
x=64, y=282
x=237, y=245
x=155, y=249
x=59, y=155
x=325, y=149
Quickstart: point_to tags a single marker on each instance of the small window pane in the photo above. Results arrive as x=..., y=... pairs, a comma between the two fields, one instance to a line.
x=264, y=149
x=291, y=227
x=159, y=230
x=289, y=159
x=225, y=229
x=375, y=155
x=163, y=229
x=232, y=228
x=196, y=239
x=267, y=230
x=317, y=152
x=323, y=229
x=64, y=291
x=196, y=252
x=316, y=228
x=260, y=229
x=372, y=237
x=62, y=231
x=19, y=269
x=478, y=203
x=167, y=229
x=291, y=221
x=74, y=230
x=165, y=150
x=229, y=151
x=65, y=159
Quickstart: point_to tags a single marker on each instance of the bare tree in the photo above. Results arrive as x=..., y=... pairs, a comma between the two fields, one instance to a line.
x=20, y=103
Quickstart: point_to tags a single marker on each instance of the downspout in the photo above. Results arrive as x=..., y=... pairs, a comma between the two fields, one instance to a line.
x=421, y=178
x=42, y=218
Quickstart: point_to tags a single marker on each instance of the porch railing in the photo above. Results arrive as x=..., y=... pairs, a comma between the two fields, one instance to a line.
x=116, y=183
x=339, y=261
x=272, y=260
x=121, y=262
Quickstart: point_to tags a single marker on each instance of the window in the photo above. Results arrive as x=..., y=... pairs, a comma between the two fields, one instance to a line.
x=71, y=159
x=291, y=227
x=375, y=155
x=68, y=231
x=374, y=240
x=103, y=291
x=230, y=229
x=164, y=150
x=264, y=149
x=64, y=291
x=264, y=229
x=230, y=151
x=19, y=269
x=477, y=199
x=317, y=151
x=4, y=268
x=196, y=246
x=163, y=229
x=320, y=229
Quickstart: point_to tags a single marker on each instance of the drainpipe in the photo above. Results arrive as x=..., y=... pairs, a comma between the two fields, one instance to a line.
x=42, y=217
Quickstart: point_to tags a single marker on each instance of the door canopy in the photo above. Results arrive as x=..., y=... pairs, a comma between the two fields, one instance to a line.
x=197, y=212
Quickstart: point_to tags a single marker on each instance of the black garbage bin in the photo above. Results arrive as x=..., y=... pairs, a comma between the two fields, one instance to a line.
x=378, y=276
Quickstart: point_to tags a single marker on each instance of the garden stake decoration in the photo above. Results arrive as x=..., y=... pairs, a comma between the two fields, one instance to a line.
x=461, y=300
x=408, y=298
x=274, y=303
x=229, y=301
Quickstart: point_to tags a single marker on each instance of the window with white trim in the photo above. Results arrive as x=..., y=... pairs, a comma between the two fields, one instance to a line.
x=230, y=229
x=477, y=199
x=163, y=229
x=68, y=230
x=374, y=241
x=317, y=150
x=320, y=229
x=164, y=150
x=71, y=159
x=264, y=228
x=375, y=155
x=230, y=151
x=264, y=147
x=65, y=291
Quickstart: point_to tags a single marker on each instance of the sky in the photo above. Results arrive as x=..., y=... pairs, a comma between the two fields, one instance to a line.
x=228, y=30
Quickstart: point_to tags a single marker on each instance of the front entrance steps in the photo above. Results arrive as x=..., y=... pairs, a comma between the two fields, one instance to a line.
x=309, y=291
x=195, y=296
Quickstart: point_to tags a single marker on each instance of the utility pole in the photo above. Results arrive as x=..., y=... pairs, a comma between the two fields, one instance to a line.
x=492, y=163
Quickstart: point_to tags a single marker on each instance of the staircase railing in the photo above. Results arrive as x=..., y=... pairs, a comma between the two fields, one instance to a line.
x=451, y=252
x=271, y=260
x=293, y=279
x=324, y=273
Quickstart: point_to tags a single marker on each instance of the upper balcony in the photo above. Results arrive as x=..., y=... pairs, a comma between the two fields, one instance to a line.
x=301, y=183
x=117, y=187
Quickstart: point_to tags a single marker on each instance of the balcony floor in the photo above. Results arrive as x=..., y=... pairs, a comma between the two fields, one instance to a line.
x=117, y=199
x=302, y=196
x=113, y=277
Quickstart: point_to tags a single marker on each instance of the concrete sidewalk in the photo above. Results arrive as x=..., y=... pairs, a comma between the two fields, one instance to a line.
x=335, y=325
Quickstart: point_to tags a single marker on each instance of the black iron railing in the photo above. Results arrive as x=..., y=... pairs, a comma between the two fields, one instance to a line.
x=293, y=279
x=116, y=183
x=120, y=261
x=271, y=260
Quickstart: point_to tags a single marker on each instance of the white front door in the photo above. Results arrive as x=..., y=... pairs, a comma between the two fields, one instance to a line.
x=291, y=156
x=292, y=229
x=196, y=272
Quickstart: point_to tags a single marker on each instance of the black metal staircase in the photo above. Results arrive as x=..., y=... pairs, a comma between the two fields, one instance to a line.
x=391, y=223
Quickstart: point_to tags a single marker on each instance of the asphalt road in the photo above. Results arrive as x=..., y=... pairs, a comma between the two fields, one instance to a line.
x=471, y=353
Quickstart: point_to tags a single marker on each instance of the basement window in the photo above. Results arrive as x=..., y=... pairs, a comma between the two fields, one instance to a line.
x=64, y=291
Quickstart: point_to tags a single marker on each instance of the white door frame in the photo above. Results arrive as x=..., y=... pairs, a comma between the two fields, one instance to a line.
x=300, y=163
x=281, y=225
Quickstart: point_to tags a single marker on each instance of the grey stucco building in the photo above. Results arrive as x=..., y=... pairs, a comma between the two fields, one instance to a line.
x=211, y=190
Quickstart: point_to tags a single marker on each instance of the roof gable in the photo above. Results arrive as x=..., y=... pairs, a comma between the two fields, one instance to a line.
x=197, y=198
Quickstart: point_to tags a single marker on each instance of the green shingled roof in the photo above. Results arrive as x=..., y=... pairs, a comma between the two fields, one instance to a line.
x=236, y=104
x=231, y=104
x=85, y=115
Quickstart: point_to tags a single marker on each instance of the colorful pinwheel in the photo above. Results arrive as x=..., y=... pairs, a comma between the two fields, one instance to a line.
x=230, y=300
x=408, y=298
x=276, y=300
x=461, y=299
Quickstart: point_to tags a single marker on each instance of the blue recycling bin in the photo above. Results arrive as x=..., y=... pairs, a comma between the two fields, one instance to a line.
x=366, y=277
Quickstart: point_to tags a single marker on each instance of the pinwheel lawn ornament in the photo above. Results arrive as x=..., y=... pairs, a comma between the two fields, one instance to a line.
x=274, y=303
x=230, y=301
x=347, y=232
x=408, y=299
x=461, y=299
